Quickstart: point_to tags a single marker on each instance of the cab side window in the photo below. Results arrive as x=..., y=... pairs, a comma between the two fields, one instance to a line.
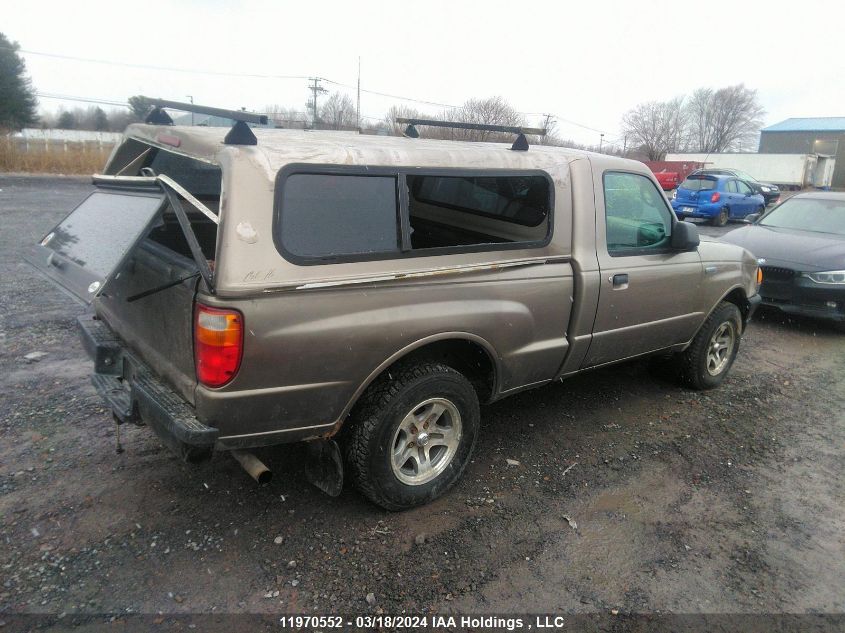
x=730, y=187
x=637, y=217
x=743, y=188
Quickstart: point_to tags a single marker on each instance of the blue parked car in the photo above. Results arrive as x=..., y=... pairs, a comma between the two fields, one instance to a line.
x=716, y=198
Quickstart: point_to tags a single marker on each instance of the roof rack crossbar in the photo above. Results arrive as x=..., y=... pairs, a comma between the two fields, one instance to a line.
x=240, y=134
x=473, y=126
x=235, y=115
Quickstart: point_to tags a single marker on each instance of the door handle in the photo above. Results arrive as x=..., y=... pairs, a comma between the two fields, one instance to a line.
x=620, y=280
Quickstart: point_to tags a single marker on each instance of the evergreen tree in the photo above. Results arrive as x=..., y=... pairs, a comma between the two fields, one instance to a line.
x=17, y=97
x=101, y=121
x=66, y=121
x=140, y=106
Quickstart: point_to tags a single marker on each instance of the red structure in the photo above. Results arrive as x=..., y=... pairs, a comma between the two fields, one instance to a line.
x=671, y=173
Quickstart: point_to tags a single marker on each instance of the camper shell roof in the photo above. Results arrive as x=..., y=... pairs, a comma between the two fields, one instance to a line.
x=278, y=147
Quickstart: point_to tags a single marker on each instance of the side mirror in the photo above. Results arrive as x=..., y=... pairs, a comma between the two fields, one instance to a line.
x=684, y=236
x=751, y=218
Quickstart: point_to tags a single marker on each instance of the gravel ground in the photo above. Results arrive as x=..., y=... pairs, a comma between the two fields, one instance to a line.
x=631, y=493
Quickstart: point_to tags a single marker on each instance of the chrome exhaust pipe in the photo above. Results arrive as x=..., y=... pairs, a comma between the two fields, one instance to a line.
x=254, y=467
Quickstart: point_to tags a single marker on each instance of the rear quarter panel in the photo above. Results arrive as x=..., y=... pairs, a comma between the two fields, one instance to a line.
x=315, y=335
x=308, y=352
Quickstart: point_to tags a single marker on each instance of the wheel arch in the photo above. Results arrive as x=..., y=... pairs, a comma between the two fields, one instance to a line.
x=736, y=295
x=468, y=353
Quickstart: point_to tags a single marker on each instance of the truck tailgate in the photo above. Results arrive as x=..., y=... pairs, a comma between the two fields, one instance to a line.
x=157, y=327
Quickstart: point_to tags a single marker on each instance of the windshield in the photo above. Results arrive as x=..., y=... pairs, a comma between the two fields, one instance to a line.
x=699, y=183
x=808, y=214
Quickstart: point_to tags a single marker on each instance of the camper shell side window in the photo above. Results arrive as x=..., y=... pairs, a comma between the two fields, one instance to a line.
x=330, y=214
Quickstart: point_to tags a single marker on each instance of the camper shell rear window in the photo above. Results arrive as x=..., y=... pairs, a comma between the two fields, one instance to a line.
x=328, y=214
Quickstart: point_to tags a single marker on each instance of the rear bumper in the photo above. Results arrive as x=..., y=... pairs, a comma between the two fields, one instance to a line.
x=135, y=394
x=695, y=210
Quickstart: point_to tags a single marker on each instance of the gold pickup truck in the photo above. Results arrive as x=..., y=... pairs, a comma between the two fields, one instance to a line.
x=365, y=294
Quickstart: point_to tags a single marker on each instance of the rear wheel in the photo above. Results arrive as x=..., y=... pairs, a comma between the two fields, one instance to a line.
x=722, y=218
x=412, y=434
x=709, y=358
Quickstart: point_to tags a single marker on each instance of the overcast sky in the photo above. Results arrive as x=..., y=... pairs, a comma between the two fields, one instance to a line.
x=585, y=62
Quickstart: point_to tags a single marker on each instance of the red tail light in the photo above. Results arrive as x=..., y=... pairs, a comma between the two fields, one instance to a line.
x=715, y=197
x=218, y=344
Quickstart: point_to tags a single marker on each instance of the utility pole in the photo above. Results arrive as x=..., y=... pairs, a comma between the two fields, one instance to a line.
x=316, y=89
x=358, y=106
x=601, y=141
x=191, y=97
x=546, y=127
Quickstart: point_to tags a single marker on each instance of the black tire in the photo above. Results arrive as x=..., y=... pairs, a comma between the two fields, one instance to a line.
x=722, y=218
x=376, y=419
x=696, y=359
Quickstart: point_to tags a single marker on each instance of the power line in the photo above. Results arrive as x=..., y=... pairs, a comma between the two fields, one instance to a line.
x=121, y=104
x=48, y=95
x=194, y=71
x=390, y=96
x=581, y=125
x=197, y=71
x=217, y=73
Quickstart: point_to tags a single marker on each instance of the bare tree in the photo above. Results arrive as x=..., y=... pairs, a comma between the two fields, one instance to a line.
x=723, y=119
x=375, y=128
x=657, y=127
x=400, y=112
x=338, y=112
x=284, y=117
x=488, y=111
x=91, y=118
x=47, y=119
x=552, y=135
x=119, y=118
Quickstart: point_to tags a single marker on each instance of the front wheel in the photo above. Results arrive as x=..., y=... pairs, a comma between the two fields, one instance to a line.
x=708, y=359
x=412, y=434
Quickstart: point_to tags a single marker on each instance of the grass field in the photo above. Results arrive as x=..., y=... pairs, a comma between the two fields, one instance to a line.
x=76, y=159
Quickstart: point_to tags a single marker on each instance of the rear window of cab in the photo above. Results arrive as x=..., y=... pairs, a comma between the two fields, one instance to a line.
x=699, y=183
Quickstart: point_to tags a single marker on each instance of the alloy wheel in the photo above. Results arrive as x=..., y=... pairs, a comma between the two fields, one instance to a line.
x=426, y=441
